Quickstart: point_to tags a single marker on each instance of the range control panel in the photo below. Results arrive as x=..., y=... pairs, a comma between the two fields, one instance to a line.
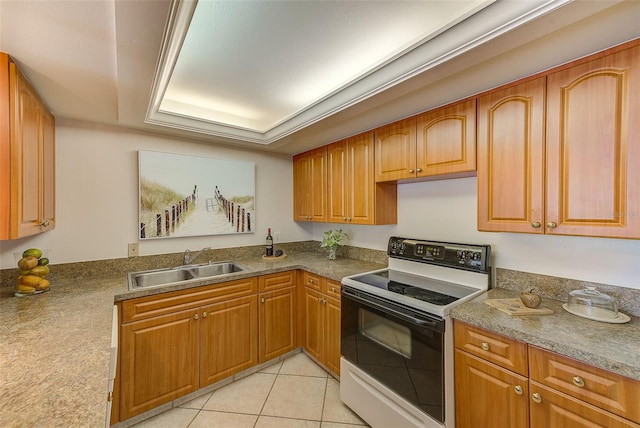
x=462, y=256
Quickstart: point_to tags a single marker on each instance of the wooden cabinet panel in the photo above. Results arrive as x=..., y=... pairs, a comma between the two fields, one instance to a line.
x=551, y=409
x=601, y=388
x=228, y=338
x=310, y=185
x=488, y=396
x=277, y=324
x=157, y=358
x=27, y=146
x=337, y=183
x=150, y=306
x=446, y=140
x=504, y=351
x=331, y=357
x=275, y=281
x=311, y=280
x=331, y=288
x=395, y=150
x=312, y=307
x=593, y=147
x=511, y=124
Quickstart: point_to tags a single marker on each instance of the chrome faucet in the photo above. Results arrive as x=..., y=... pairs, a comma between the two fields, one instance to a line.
x=187, y=259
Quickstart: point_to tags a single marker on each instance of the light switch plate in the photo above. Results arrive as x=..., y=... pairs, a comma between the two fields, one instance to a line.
x=133, y=249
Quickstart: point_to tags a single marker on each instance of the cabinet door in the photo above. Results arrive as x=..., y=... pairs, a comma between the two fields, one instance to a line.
x=331, y=357
x=228, y=338
x=511, y=159
x=277, y=323
x=361, y=180
x=48, y=203
x=338, y=181
x=395, y=150
x=159, y=361
x=446, y=140
x=593, y=148
x=312, y=319
x=310, y=185
x=551, y=409
x=488, y=396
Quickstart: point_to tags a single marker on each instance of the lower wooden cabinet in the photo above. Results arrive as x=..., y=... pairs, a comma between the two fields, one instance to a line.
x=552, y=392
x=159, y=361
x=277, y=323
x=320, y=321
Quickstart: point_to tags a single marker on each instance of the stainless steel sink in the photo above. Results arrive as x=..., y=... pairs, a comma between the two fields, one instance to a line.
x=160, y=277
x=215, y=269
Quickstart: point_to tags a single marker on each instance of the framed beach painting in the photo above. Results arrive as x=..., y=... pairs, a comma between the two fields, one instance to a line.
x=182, y=195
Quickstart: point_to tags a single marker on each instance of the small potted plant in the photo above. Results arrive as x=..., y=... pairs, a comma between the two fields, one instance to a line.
x=331, y=240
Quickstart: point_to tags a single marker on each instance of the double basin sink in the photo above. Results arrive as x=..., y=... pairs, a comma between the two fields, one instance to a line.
x=160, y=277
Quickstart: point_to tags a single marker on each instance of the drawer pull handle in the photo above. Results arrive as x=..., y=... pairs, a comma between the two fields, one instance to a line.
x=536, y=397
x=333, y=289
x=518, y=389
x=577, y=381
x=485, y=346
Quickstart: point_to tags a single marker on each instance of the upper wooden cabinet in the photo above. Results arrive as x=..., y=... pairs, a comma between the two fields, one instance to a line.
x=27, y=139
x=511, y=159
x=353, y=196
x=438, y=142
x=310, y=185
x=593, y=147
x=576, y=176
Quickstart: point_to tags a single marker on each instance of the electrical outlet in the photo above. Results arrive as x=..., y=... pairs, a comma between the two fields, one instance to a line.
x=277, y=237
x=133, y=249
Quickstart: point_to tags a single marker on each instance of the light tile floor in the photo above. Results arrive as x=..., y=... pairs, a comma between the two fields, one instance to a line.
x=294, y=393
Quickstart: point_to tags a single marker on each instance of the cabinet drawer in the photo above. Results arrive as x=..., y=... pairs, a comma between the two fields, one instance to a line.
x=601, y=388
x=275, y=281
x=552, y=409
x=312, y=280
x=501, y=350
x=151, y=306
x=331, y=288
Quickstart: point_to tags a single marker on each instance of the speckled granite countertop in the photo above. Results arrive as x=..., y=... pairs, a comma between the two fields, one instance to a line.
x=613, y=347
x=54, y=347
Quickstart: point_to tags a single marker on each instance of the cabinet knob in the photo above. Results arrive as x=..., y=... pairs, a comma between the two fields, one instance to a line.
x=536, y=397
x=536, y=224
x=45, y=223
x=552, y=225
x=349, y=219
x=312, y=281
x=411, y=171
x=204, y=315
x=518, y=389
x=418, y=169
x=195, y=317
x=577, y=381
x=333, y=289
x=485, y=346
x=262, y=300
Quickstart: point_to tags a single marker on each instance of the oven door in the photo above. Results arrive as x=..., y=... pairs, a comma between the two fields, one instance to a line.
x=399, y=347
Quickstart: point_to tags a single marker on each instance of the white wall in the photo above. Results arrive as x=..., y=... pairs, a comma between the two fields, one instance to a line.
x=446, y=211
x=97, y=197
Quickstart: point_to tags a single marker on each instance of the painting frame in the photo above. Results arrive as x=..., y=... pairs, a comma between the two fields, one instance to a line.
x=183, y=195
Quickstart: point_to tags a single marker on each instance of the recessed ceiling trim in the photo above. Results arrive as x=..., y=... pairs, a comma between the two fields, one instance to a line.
x=493, y=20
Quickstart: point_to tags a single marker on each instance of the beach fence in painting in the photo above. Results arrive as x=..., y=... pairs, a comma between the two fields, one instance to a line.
x=171, y=218
x=188, y=214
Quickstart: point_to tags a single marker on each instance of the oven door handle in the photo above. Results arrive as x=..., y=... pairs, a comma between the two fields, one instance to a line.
x=386, y=307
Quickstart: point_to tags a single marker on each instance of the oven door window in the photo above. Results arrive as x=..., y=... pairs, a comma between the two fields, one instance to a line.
x=385, y=332
x=405, y=357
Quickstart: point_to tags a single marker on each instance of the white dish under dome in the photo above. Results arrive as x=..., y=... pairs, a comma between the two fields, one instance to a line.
x=597, y=314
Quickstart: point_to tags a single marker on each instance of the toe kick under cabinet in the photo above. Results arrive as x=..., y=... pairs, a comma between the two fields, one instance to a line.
x=502, y=382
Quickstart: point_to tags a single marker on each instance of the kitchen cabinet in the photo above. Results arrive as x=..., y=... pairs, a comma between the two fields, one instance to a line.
x=277, y=325
x=320, y=320
x=177, y=342
x=27, y=148
x=558, y=154
x=500, y=381
x=310, y=185
x=353, y=196
x=435, y=143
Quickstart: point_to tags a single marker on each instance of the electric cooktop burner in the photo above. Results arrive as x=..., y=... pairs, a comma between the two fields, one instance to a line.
x=429, y=290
